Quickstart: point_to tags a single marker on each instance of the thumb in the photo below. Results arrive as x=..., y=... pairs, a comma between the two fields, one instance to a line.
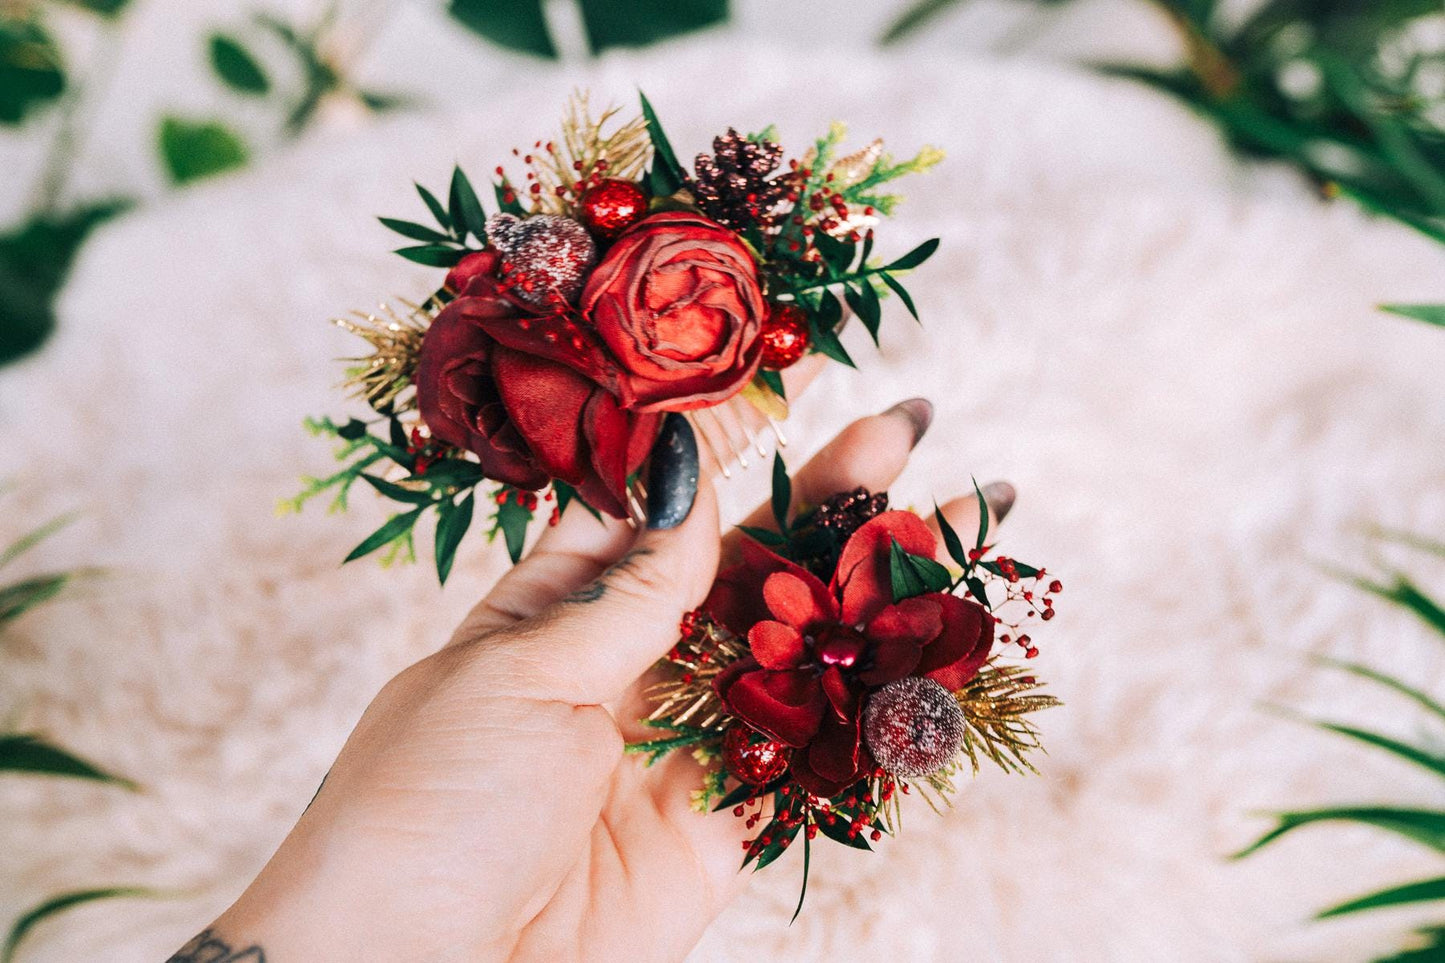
x=594, y=643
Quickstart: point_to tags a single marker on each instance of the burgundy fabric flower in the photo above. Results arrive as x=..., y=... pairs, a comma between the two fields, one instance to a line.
x=527, y=417
x=818, y=650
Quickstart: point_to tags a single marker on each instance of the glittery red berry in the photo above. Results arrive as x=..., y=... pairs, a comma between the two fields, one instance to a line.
x=785, y=336
x=752, y=757
x=545, y=257
x=913, y=726
x=612, y=206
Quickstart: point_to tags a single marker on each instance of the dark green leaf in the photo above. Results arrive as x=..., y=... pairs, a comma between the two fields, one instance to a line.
x=409, y=496
x=837, y=831
x=566, y=495
x=192, y=150
x=915, y=257
x=31, y=71
x=912, y=575
x=516, y=24
x=902, y=293
x=512, y=521
x=466, y=208
x=58, y=904
x=352, y=430
x=982, y=516
x=1425, y=826
x=435, y=206
x=837, y=255
x=774, y=381
x=807, y=861
x=380, y=102
x=824, y=325
x=452, y=471
x=236, y=67
x=782, y=492
x=864, y=303
x=764, y=536
x=1421, y=892
x=667, y=174
x=1366, y=672
x=20, y=597
x=451, y=526
x=416, y=232
x=106, y=8
x=27, y=753
x=432, y=255
x=637, y=23
x=743, y=793
x=1405, y=594
x=915, y=18
x=951, y=541
x=979, y=590
x=1403, y=750
x=35, y=258
x=395, y=528
x=1429, y=313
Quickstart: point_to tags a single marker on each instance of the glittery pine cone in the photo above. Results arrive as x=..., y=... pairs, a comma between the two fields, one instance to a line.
x=733, y=186
x=845, y=513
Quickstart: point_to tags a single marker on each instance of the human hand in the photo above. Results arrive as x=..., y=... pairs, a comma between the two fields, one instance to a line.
x=484, y=808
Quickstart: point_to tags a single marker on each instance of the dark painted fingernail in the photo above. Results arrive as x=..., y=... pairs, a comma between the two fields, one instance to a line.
x=918, y=411
x=1000, y=497
x=672, y=475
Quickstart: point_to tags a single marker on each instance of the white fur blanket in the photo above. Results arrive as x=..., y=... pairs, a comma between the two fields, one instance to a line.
x=1177, y=362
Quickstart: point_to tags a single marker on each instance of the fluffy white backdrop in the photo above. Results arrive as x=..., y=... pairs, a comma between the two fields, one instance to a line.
x=1176, y=362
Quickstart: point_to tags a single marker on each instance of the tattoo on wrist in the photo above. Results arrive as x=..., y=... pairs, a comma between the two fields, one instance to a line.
x=593, y=591
x=209, y=947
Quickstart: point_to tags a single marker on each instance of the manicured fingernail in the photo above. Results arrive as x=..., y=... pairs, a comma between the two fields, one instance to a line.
x=1000, y=497
x=918, y=411
x=672, y=475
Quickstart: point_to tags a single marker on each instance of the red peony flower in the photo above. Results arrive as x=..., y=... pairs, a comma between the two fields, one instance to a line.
x=678, y=304
x=527, y=417
x=819, y=650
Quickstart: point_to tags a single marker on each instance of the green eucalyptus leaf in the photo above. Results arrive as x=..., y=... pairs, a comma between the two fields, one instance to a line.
x=28, y=753
x=902, y=293
x=236, y=67
x=192, y=150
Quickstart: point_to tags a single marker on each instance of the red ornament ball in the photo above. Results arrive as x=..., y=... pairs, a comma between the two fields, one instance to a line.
x=612, y=206
x=785, y=336
x=913, y=726
x=752, y=757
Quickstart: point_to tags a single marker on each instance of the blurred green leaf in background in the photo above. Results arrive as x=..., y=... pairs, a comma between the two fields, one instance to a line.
x=236, y=67
x=192, y=150
x=31, y=73
x=522, y=24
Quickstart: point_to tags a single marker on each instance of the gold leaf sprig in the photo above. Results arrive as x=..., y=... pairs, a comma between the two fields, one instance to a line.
x=559, y=166
x=384, y=377
x=688, y=699
x=995, y=704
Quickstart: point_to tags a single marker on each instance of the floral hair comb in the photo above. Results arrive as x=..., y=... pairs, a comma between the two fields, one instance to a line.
x=610, y=287
x=838, y=667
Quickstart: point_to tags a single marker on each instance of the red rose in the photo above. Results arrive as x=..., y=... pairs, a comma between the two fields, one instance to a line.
x=821, y=649
x=678, y=304
x=527, y=418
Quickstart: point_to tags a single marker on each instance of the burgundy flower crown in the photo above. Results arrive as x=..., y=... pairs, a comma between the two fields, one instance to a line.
x=611, y=287
x=838, y=667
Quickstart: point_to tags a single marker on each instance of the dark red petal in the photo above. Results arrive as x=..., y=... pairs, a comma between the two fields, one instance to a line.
x=736, y=599
x=833, y=761
x=786, y=705
x=613, y=437
x=963, y=645
x=841, y=695
x=801, y=601
x=545, y=401
x=558, y=338
x=862, y=580
x=776, y=646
